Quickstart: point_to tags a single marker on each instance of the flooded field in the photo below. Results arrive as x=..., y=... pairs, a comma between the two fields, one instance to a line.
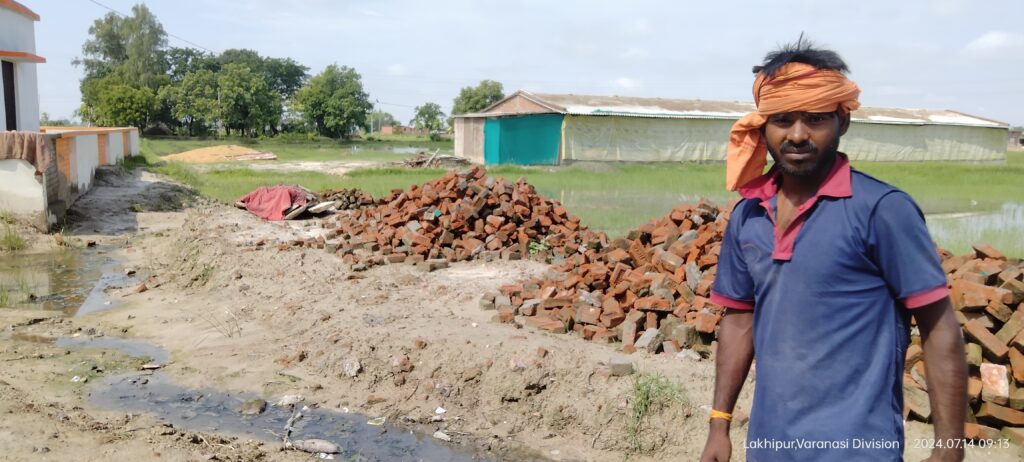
x=616, y=212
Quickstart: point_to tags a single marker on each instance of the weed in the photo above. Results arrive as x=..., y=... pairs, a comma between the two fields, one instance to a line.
x=6, y=217
x=137, y=207
x=11, y=240
x=228, y=327
x=205, y=275
x=651, y=392
x=5, y=296
x=537, y=246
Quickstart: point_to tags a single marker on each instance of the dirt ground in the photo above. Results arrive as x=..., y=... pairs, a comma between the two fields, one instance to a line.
x=276, y=323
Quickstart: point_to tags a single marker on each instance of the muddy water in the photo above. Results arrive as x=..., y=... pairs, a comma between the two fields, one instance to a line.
x=75, y=281
x=72, y=280
x=1003, y=228
x=208, y=410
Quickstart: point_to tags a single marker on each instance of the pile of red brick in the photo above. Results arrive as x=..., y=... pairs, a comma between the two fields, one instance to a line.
x=460, y=216
x=347, y=199
x=649, y=289
x=987, y=292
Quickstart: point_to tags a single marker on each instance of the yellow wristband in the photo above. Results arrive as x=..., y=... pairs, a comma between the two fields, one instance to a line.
x=715, y=414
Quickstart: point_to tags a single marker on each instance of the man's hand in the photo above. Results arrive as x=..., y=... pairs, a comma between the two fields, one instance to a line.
x=718, y=448
x=946, y=375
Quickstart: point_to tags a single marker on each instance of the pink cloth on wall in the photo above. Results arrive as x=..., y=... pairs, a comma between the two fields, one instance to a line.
x=272, y=202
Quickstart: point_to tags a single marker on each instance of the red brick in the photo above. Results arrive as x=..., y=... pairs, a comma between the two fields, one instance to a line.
x=1017, y=364
x=973, y=431
x=989, y=412
x=706, y=322
x=984, y=250
x=588, y=315
x=989, y=343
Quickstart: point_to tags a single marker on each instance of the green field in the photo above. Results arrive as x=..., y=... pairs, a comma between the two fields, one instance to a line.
x=618, y=197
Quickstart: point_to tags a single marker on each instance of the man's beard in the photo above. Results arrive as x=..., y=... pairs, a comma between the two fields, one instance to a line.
x=820, y=166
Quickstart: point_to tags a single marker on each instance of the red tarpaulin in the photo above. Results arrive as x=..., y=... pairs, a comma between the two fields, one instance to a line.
x=272, y=202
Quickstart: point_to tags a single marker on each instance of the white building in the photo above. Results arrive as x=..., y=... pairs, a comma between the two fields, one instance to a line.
x=18, y=59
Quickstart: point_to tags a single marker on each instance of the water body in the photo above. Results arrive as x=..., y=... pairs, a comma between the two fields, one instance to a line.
x=73, y=281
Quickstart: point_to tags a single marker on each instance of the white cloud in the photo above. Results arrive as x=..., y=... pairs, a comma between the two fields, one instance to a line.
x=996, y=42
x=637, y=27
x=626, y=83
x=397, y=69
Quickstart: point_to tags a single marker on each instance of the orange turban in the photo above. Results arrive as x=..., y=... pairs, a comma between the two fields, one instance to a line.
x=795, y=87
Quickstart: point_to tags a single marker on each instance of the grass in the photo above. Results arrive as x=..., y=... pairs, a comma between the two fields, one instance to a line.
x=11, y=240
x=5, y=296
x=651, y=392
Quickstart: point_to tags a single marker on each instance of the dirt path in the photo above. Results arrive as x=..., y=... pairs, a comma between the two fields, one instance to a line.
x=283, y=322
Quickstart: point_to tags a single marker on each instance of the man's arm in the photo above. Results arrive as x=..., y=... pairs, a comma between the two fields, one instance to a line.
x=946, y=375
x=732, y=363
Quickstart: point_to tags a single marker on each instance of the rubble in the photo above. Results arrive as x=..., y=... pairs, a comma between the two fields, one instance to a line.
x=435, y=160
x=460, y=216
x=347, y=198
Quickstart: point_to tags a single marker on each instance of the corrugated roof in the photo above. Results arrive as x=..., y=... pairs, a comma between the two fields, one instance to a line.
x=631, y=106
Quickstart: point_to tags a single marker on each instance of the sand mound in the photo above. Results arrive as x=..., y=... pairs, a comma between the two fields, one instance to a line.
x=225, y=153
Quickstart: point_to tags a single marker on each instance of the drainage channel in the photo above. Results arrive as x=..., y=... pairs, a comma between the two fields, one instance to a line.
x=213, y=411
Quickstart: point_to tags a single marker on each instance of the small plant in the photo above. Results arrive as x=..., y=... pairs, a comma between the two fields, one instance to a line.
x=205, y=275
x=137, y=207
x=11, y=240
x=6, y=217
x=229, y=327
x=5, y=296
x=650, y=392
x=536, y=247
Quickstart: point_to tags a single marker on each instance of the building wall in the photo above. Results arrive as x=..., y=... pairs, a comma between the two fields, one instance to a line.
x=115, y=147
x=518, y=105
x=469, y=139
x=17, y=33
x=20, y=192
x=133, y=142
x=636, y=139
x=85, y=158
x=913, y=143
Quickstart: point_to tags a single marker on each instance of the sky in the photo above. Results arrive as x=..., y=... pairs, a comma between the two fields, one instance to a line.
x=935, y=54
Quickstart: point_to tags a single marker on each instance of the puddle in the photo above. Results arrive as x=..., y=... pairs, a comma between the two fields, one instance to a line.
x=208, y=410
x=1003, y=229
x=72, y=280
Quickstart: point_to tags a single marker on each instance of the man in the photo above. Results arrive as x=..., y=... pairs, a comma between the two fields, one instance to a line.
x=820, y=270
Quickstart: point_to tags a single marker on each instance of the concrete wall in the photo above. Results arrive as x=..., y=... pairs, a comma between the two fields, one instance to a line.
x=115, y=147
x=85, y=157
x=469, y=138
x=17, y=33
x=133, y=142
x=20, y=192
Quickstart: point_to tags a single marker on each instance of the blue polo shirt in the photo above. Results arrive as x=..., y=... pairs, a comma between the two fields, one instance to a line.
x=830, y=297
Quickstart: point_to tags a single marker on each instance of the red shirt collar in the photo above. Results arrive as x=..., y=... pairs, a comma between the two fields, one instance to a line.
x=836, y=184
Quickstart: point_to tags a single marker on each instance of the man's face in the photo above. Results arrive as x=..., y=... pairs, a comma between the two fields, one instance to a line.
x=804, y=143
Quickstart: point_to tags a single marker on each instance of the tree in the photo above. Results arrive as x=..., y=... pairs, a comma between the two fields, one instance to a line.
x=193, y=101
x=380, y=118
x=246, y=102
x=428, y=117
x=334, y=102
x=121, y=106
x=133, y=46
x=282, y=74
x=181, y=61
x=475, y=99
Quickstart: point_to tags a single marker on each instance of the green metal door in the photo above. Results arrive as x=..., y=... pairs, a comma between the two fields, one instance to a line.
x=523, y=140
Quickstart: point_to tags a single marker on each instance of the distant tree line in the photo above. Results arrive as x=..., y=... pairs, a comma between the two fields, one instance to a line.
x=133, y=78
